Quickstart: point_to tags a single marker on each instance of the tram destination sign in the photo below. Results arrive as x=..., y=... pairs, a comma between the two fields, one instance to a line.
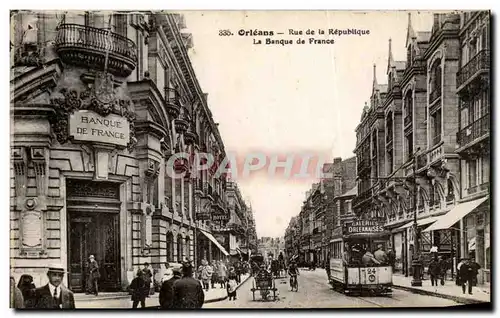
x=363, y=226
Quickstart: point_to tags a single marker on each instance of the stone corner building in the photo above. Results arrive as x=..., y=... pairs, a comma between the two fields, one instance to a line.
x=423, y=144
x=100, y=103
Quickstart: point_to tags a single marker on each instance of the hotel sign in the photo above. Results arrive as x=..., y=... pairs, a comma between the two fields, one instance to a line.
x=86, y=125
x=363, y=226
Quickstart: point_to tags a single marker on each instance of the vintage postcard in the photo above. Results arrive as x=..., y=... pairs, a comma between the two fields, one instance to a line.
x=250, y=159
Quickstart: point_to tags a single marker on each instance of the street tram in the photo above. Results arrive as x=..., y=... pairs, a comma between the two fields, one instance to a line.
x=352, y=269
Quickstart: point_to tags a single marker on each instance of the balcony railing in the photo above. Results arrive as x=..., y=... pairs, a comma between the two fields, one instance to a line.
x=478, y=64
x=362, y=197
x=435, y=94
x=172, y=99
x=408, y=120
x=421, y=161
x=87, y=47
x=474, y=131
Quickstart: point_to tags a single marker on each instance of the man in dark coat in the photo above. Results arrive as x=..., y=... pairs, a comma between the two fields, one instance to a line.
x=54, y=295
x=167, y=290
x=434, y=271
x=138, y=289
x=93, y=276
x=188, y=292
x=466, y=273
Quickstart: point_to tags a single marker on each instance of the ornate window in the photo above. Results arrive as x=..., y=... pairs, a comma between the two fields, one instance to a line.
x=450, y=196
x=179, y=248
x=435, y=83
x=170, y=247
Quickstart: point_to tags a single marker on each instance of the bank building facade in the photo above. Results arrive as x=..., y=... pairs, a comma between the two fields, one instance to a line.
x=99, y=103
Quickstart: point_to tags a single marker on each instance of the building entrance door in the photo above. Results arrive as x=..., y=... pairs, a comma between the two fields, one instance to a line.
x=94, y=234
x=93, y=229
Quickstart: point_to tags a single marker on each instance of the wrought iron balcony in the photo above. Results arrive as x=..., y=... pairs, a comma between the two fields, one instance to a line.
x=421, y=161
x=172, y=99
x=477, y=65
x=474, y=131
x=434, y=95
x=87, y=47
x=408, y=120
x=365, y=195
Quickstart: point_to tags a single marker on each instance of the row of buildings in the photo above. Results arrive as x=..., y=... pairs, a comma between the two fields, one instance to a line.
x=100, y=102
x=423, y=146
x=271, y=246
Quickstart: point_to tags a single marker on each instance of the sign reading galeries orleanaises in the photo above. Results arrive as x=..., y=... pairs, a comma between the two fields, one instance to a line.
x=85, y=125
x=364, y=226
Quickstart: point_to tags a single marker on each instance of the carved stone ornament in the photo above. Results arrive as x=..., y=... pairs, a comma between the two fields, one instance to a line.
x=99, y=98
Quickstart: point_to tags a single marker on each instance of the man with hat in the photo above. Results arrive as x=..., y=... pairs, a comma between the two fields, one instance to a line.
x=54, y=294
x=92, y=276
x=380, y=254
x=188, y=292
x=167, y=289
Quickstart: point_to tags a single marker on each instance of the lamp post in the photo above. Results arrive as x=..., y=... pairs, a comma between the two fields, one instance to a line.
x=416, y=262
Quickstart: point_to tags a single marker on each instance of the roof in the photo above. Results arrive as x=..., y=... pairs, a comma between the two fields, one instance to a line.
x=399, y=65
x=352, y=192
x=382, y=88
x=423, y=36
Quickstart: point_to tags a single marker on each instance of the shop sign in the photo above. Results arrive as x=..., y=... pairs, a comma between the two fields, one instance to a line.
x=216, y=217
x=363, y=226
x=85, y=125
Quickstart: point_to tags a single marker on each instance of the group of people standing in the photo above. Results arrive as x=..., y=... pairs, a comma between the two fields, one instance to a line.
x=53, y=295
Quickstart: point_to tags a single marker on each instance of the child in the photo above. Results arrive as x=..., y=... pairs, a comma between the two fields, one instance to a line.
x=231, y=287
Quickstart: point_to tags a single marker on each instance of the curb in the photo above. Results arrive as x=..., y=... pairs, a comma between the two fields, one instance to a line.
x=225, y=297
x=458, y=299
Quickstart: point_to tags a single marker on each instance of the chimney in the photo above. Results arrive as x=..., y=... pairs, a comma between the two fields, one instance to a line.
x=337, y=160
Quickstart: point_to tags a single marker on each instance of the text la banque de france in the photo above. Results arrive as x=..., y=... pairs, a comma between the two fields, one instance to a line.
x=308, y=32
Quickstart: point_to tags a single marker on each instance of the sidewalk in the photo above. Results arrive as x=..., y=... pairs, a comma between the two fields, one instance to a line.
x=122, y=299
x=450, y=290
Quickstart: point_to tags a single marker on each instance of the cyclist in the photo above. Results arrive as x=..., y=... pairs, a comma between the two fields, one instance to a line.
x=293, y=272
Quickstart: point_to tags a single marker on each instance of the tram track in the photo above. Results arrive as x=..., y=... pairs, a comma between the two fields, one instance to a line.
x=371, y=301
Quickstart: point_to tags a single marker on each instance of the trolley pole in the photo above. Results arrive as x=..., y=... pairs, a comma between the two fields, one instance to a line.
x=416, y=263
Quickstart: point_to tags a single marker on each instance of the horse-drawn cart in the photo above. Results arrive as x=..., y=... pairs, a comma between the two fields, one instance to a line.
x=264, y=282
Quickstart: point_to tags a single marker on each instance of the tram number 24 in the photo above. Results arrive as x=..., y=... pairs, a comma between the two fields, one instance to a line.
x=372, y=271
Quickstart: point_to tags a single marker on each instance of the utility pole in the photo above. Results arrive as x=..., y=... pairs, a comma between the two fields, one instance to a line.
x=416, y=263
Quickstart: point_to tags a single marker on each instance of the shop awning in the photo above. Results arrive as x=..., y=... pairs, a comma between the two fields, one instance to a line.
x=456, y=214
x=214, y=240
x=420, y=222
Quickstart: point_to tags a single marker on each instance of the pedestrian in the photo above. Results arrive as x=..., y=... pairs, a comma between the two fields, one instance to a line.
x=434, y=252
x=54, y=295
x=222, y=273
x=138, y=289
x=93, y=276
x=443, y=267
x=205, y=273
x=475, y=270
x=188, y=292
x=167, y=290
x=237, y=270
x=148, y=278
x=380, y=254
x=231, y=287
x=433, y=272
x=466, y=276
x=16, y=296
x=327, y=267
x=168, y=274
x=28, y=289
x=458, y=280
x=215, y=274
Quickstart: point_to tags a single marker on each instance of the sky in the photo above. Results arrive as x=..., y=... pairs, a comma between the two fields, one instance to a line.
x=293, y=98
